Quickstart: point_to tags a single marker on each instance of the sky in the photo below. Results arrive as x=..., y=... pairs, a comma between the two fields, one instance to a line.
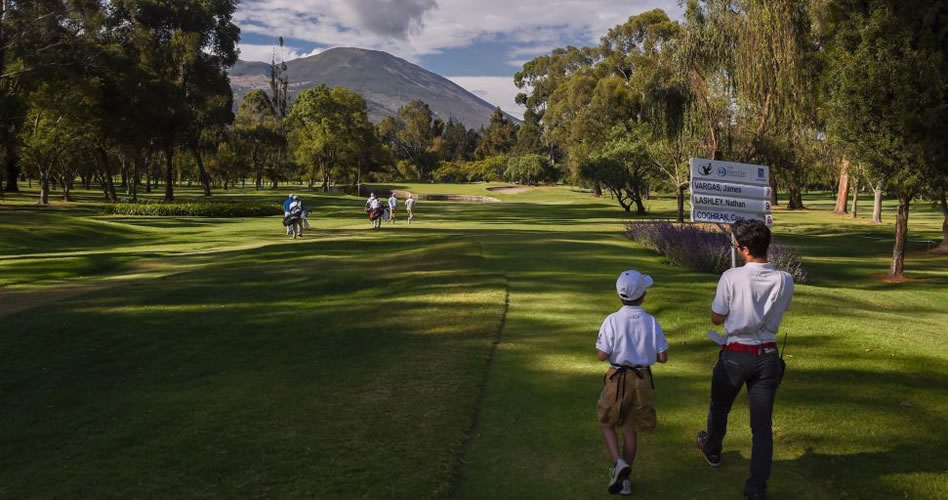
x=478, y=44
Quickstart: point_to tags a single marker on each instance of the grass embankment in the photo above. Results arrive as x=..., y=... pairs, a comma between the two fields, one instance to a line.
x=217, y=358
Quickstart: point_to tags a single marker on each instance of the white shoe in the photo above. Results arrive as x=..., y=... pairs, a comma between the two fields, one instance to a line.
x=620, y=472
x=626, y=490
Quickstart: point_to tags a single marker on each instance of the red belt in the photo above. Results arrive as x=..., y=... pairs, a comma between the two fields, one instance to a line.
x=753, y=349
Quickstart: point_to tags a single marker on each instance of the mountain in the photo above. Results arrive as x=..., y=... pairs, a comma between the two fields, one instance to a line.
x=386, y=83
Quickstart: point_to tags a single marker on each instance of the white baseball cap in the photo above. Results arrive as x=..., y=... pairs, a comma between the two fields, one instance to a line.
x=632, y=284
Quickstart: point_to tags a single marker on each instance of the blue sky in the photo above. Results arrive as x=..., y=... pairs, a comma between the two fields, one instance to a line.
x=478, y=44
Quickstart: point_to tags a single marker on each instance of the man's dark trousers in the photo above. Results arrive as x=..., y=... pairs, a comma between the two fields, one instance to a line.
x=761, y=373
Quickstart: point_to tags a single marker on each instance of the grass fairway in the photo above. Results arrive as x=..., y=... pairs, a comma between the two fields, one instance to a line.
x=176, y=357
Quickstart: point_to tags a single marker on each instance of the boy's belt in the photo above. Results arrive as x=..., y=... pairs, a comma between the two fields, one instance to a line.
x=621, y=370
x=753, y=349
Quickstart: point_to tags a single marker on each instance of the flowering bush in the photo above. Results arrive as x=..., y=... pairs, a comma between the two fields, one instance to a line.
x=704, y=249
x=195, y=209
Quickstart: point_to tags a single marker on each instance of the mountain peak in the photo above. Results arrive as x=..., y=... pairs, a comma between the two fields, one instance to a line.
x=385, y=81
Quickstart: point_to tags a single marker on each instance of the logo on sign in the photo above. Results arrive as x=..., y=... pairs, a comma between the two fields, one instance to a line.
x=767, y=205
x=706, y=170
x=722, y=171
x=760, y=173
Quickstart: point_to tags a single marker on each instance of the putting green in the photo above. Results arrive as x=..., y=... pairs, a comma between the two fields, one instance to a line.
x=218, y=358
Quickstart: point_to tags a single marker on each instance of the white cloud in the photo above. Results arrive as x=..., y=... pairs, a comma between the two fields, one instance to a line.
x=497, y=90
x=264, y=53
x=412, y=28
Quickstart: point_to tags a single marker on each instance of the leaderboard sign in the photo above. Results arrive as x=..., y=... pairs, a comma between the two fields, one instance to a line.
x=724, y=192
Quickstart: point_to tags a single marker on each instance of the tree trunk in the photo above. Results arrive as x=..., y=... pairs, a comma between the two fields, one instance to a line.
x=773, y=189
x=794, y=197
x=11, y=166
x=877, y=204
x=44, y=186
x=124, y=174
x=202, y=173
x=597, y=192
x=842, y=192
x=680, y=199
x=169, y=174
x=67, y=187
x=107, y=184
x=901, y=233
x=943, y=247
x=139, y=163
x=855, y=210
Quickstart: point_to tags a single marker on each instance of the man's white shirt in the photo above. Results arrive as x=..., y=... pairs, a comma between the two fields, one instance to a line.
x=754, y=298
x=631, y=337
x=410, y=203
x=392, y=202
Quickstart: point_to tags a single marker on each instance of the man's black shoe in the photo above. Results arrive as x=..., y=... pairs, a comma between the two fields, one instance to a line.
x=713, y=460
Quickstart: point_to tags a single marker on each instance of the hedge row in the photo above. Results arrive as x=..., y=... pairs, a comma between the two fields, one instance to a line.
x=196, y=209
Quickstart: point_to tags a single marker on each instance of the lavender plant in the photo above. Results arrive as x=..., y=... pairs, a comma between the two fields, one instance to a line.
x=703, y=249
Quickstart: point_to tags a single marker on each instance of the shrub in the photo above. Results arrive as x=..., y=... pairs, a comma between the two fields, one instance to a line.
x=449, y=172
x=702, y=249
x=196, y=209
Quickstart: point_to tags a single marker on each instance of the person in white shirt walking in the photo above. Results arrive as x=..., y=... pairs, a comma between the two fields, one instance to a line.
x=374, y=208
x=410, y=207
x=631, y=340
x=392, y=205
x=750, y=302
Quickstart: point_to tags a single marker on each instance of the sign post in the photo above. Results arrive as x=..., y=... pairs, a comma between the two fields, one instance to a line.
x=724, y=192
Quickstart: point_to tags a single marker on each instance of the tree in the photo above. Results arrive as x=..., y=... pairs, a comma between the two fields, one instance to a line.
x=411, y=135
x=330, y=128
x=888, y=97
x=624, y=168
x=527, y=169
x=499, y=137
x=183, y=49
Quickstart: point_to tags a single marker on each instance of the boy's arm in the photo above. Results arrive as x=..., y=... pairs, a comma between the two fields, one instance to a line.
x=662, y=357
x=603, y=356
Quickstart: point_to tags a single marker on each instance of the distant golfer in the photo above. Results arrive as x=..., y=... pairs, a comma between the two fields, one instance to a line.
x=750, y=302
x=373, y=206
x=392, y=205
x=295, y=217
x=286, y=211
x=631, y=340
x=410, y=208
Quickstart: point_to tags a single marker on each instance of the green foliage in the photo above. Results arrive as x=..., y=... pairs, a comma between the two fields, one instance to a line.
x=449, y=171
x=195, y=209
x=331, y=134
x=528, y=169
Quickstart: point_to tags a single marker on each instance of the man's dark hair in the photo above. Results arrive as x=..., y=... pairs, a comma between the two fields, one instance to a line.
x=753, y=234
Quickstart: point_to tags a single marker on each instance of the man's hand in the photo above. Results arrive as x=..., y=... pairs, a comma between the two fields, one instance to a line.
x=718, y=319
x=662, y=357
x=603, y=356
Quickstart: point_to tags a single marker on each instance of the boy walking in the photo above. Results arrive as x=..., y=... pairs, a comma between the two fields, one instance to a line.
x=750, y=302
x=632, y=341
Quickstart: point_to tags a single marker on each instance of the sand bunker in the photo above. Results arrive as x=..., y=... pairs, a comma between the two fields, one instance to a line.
x=509, y=190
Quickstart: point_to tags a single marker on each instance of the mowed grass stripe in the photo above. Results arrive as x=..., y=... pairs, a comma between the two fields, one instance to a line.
x=325, y=369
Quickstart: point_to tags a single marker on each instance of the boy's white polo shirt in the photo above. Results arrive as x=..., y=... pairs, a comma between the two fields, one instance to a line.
x=631, y=337
x=393, y=202
x=754, y=298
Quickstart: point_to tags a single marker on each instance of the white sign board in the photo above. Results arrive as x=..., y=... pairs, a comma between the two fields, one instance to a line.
x=725, y=192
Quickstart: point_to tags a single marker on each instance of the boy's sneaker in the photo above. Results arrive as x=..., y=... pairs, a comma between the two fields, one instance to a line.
x=620, y=472
x=626, y=490
x=713, y=460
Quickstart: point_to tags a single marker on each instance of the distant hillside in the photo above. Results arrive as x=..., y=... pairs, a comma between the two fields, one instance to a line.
x=385, y=81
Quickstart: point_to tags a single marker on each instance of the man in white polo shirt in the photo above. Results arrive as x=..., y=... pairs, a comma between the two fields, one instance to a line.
x=750, y=302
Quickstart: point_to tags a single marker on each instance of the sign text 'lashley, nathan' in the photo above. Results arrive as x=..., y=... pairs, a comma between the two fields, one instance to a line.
x=726, y=192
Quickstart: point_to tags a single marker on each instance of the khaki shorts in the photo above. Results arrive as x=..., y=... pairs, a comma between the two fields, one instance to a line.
x=626, y=402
